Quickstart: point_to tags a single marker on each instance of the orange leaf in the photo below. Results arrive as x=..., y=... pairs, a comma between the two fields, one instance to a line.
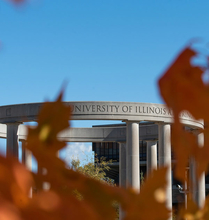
x=182, y=88
x=152, y=195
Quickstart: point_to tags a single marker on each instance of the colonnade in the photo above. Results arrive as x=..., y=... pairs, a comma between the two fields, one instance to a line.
x=129, y=155
x=129, y=165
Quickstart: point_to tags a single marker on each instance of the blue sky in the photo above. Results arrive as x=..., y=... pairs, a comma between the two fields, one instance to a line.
x=107, y=50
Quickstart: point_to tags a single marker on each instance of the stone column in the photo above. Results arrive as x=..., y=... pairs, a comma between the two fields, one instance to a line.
x=132, y=155
x=12, y=139
x=164, y=140
x=151, y=156
x=197, y=185
x=122, y=164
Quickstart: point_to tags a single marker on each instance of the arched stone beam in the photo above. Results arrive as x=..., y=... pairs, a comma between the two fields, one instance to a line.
x=123, y=111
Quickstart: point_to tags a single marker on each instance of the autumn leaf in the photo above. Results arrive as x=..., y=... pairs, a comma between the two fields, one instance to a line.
x=152, y=195
x=15, y=180
x=192, y=212
x=182, y=88
x=9, y=211
x=53, y=118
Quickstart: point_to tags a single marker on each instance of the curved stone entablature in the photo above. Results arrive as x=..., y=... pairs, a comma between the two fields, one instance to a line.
x=87, y=110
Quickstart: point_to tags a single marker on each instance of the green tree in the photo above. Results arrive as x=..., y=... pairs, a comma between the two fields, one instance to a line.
x=94, y=169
